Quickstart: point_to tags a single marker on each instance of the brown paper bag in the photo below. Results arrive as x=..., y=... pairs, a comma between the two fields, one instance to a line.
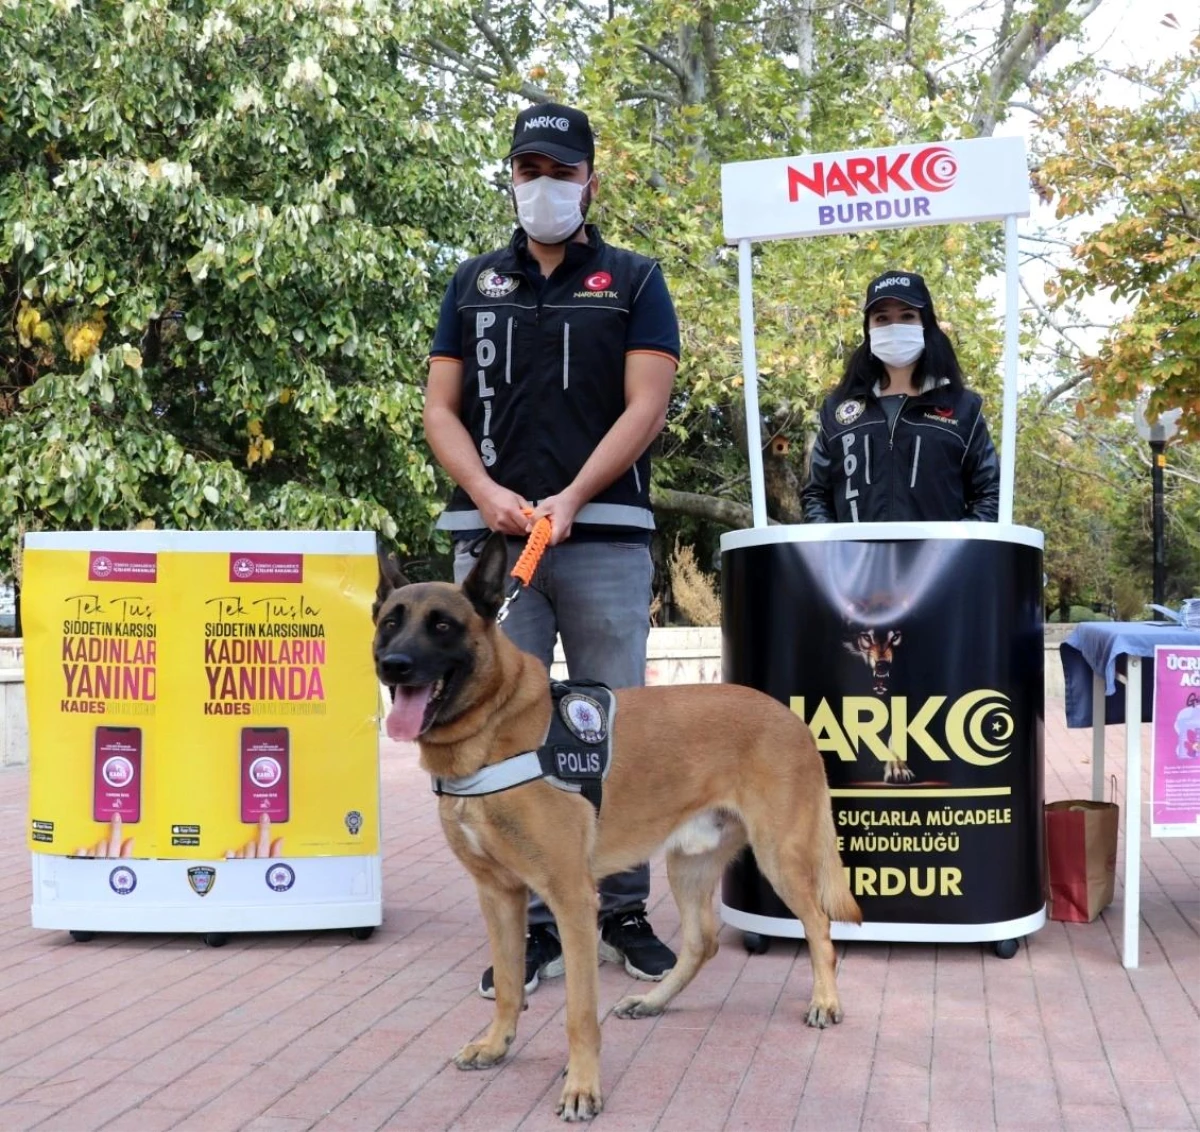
x=1081, y=858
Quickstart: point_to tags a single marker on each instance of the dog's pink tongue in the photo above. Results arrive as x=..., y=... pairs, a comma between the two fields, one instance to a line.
x=408, y=712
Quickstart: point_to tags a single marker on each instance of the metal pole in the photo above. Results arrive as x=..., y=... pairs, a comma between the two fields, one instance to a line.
x=1158, y=461
x=1008, y=433
x=1133, y=810
x=758, y=491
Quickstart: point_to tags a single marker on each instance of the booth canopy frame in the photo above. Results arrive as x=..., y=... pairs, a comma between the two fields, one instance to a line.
x=984, y=179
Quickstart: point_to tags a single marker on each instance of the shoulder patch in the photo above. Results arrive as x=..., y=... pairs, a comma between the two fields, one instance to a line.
x=494, y=285
x=849, y=411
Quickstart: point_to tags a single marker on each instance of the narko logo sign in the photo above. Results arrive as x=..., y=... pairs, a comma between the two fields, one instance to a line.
x=818, y=194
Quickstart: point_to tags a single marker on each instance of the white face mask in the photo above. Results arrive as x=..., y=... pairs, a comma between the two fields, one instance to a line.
x=549, y=209
x=898, y=343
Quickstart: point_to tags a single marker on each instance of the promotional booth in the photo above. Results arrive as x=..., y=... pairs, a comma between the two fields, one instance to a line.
x=203, y=727
x=913, y=650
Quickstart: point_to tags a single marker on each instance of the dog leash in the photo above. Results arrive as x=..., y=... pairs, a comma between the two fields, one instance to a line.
x=523, y=571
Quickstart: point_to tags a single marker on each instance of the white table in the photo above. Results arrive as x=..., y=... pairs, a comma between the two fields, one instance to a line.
x=1096, y=646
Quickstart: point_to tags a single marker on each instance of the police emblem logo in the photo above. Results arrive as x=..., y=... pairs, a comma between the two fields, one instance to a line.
x=122, y=880
x=354, y=822
x=202, y=878
x=584, y=717
x=280, y=877
x=494, y=285
x=849, y=411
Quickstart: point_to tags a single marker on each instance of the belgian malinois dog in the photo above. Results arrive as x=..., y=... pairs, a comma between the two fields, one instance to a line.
x=701, y=770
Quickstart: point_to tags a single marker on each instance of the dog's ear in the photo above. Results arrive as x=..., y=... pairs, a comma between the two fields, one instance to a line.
x=390, y=578
x=484, y=585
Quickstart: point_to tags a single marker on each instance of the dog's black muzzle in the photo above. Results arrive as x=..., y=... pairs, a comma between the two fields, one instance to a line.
x=396, y=668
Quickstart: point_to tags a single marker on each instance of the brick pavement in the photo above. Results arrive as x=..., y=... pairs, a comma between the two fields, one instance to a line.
x=283, y=1033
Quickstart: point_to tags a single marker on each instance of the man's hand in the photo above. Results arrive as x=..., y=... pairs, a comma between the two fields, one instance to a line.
x=503, y=510
x=561, y=510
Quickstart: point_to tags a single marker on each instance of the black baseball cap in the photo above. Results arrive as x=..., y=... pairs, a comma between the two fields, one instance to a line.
x=907, y=286
x=558, y=131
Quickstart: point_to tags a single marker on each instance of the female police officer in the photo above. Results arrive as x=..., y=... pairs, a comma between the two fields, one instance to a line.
x=902, y=439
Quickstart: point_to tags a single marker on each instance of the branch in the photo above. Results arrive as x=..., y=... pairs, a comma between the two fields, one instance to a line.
x=931, y=84
x=1050, y=319
x=646, y=93
x=474, y=69
x=724, y=512
x=670, y=64
x=1029, y=46
x=480, y=20
x=1076, y=471
x=1061, y=388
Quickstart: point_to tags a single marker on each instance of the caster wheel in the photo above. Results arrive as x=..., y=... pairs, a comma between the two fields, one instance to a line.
x=83, y=937
x=216, y=939
x=362, y=933
x=1007, y=948
x=756, y=944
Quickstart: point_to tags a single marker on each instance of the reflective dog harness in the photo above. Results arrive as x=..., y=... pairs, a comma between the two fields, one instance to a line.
x=575, y=756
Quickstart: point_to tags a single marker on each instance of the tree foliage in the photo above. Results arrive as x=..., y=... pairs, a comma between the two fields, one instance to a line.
x=1132, y=170
x=225, y=229
x=223, y=235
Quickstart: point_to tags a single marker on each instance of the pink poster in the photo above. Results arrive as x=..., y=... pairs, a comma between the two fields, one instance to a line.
x=1175, y=750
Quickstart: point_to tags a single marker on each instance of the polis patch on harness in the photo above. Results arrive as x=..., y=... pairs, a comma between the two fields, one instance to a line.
x=576, y=755
x=578, y=747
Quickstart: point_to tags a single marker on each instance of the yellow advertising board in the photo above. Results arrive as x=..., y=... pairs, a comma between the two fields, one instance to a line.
x=201, y=697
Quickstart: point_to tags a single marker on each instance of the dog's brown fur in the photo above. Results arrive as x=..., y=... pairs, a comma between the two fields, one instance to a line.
x=703, y=769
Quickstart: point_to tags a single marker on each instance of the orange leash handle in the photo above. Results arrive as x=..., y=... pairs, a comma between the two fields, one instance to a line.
x=527, y=564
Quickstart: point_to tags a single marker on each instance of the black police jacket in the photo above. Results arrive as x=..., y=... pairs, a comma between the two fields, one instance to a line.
x=935, y=462
x=544, y=375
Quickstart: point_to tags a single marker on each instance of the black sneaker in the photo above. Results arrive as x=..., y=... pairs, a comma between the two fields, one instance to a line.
x=543, y=957
x=628, y=937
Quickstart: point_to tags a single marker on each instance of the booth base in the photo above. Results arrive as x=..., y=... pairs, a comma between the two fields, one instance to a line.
x=84, y=895
x=888, y=933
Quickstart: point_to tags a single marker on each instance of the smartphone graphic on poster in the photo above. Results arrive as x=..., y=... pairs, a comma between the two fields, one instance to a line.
x=266, y=773
x=117, y=774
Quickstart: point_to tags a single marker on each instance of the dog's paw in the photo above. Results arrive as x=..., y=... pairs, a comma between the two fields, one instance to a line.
x=822, y=1014
x=479, y=1055
x=636, y=1006
x=579, y=1102
x=897, y=771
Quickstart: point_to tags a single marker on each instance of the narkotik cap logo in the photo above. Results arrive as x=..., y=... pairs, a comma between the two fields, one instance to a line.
x=547, y=122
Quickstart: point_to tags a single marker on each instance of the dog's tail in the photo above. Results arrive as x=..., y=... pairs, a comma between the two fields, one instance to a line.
x=833, y=891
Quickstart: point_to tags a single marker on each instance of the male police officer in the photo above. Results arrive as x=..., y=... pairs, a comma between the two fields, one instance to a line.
x=549, y=378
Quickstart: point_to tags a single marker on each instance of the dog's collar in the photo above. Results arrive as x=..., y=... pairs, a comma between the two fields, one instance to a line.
x=514, y=771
